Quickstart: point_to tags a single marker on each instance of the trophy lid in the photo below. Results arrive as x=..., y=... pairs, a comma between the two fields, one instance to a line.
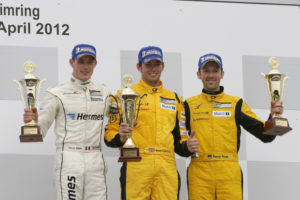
x=127, y=80
x=29, y=67
x=273, y=62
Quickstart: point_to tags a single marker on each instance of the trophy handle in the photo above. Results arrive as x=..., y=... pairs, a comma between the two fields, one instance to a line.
x=138, y=109
x=20, y=90
x=40, y=86
x=285, y=78
x=117, y=104
x=266, y=79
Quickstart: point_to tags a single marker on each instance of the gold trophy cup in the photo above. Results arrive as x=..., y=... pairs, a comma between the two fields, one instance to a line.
x=277, y=125
x=27, y=86
x=128, y=115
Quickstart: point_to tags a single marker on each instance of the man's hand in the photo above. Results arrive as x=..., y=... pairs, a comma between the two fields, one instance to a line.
x=125, y=131
x=276, y=108
x=30, y=115
x=192, y=143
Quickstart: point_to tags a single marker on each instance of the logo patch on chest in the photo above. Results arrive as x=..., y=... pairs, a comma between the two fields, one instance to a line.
x=168, y=107
x=221, y=113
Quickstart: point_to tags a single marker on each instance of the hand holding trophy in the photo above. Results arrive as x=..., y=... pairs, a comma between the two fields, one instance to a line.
x=277, y=125
x=27, y=86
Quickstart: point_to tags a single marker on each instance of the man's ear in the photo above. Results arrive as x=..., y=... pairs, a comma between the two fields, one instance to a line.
x=199, y=75
x=139, y=67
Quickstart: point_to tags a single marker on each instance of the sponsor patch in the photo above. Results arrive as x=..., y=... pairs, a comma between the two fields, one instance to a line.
x=222, y=105
x=200, y=106
x=83, y=116
x=183, y=115
x=200, y=113
x=114, y=104
x=96, y=99
x=220, y=156
x=182, y=123
x=69, y=93
x=113, y=110
x=95, y=93
x=167, y=101
x=167, y=107
x=222, y=113
x=200, y=119
x=71, y=115
x=184, y=132
x=112, y=118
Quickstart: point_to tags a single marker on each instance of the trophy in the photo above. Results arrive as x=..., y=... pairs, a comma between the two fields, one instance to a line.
x=128, y=115
x=277, y=125
x=27, y=87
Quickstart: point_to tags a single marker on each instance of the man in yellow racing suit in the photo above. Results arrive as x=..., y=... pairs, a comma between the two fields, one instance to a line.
x=160, y=131
x=214, y=173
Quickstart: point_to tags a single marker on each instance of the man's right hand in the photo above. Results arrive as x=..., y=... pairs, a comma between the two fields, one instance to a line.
x=30, y=115
x=125, y=131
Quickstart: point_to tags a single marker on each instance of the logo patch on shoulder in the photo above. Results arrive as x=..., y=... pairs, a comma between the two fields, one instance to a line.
x=167, y=107
x=222, y=113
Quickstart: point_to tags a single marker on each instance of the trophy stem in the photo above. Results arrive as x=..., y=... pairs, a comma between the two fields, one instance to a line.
x=31, y=123
x=129, y=143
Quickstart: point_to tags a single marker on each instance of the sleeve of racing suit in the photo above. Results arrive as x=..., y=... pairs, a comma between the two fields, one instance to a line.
x=179, y=132
x=247, y=118
x=107, y=102
x=112, y=136
x=48, y=110
x=187, y=116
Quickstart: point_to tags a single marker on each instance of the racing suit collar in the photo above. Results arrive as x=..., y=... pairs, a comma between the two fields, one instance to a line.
x=79, y=82
x=149, y=88
x=212, y=95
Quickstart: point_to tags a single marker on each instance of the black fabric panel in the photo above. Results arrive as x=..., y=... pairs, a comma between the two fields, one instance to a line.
x=177, y=97
x=180, y=148
x=187, y=180
x=242, y=183
x=238, y=111
x=115, y=142
x=179, y=186
x=123, y=180
x=187, y=116
x=255, y=127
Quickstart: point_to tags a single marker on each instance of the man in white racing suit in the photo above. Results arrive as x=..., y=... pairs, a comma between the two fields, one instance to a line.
x=78, y=107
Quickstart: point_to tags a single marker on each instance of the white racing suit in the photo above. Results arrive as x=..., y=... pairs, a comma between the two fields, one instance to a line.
x=78, y=109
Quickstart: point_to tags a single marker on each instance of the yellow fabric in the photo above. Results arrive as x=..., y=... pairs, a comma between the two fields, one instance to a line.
x=213, y=119
x=155, y=175
x=208, y=180
x=216, y=134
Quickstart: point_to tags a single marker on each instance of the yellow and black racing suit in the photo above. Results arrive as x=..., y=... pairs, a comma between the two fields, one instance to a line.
x=159, y=132
x=216, y=117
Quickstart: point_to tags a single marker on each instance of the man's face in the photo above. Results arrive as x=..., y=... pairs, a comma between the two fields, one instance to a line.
x=211, y=75
x=151, y=72
x=83, y=67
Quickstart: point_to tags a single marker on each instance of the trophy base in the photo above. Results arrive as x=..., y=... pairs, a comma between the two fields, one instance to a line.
x=129, y=155
x=31, y=134
x=276, y=126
